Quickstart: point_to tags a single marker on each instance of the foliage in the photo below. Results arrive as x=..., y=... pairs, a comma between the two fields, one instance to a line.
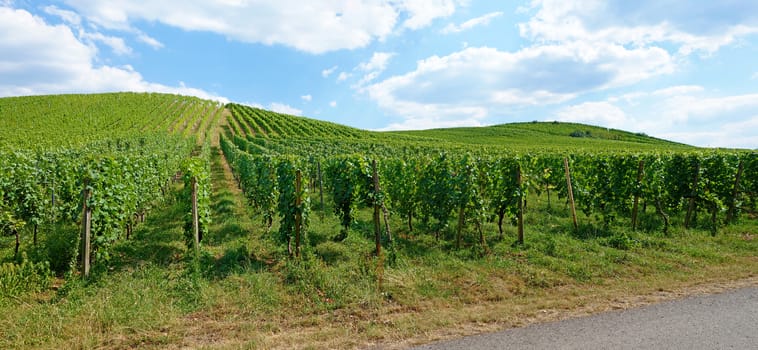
x=349, y=180
x=25, y=277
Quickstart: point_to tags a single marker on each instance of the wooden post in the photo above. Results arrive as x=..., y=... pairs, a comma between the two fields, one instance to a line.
x=377, y=222
x=570, y=192
x=520, y=214
x=693, y=196
x=640, y=171
x=320, y=189
x=195, y=216
x=86, y=229
x=298, y=211
x=735, y=193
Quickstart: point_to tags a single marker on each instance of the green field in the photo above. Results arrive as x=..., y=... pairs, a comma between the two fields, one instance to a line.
x=470, y=230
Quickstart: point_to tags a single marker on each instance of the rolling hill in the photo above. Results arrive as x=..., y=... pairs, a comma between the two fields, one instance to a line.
x=228, y=226
x=85, y=118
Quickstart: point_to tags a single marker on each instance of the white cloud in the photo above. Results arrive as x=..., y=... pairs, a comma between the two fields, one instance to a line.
x=704, y=27
x=343, y=76
x=421, y=13
x=475, y=81
x=150, y=41
x=284, y=109
x=316, y=27
x=754, y=76
x=69, y=17
x=327, y=72
x=306, y=98
x=574, y=47
x=595, y=113
x=739, y=134
x=333, y=104
x=697, y=109
x=474, y=22
x=373, y=67
x=430, y=123
x=679, y=90
x=378, y=62
x=688, y=114
x=253, y=104
x=50, y=59
x=118, y=45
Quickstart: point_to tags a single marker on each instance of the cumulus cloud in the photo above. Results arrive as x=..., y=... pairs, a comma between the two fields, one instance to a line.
x=69, y=17
x=373, y=67
x=378, y=62
x=476, y=81
x=688, y=114
x=596, y=113
x=333, y=104
x=50, y=59
x=327, y=72
x=306, y=98
x=72, y=19
x=150, y=41
x=474, y=22
x=690, y=28
x=284, y=109
x=318, y=27
x=574, y=47
x=343, y=76
x=736, y=134
x=117, y=45
x=430, y=123
x=276, y=107
x=421, y=13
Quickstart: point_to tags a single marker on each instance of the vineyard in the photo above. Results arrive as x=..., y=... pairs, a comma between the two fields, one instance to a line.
x=437, y=183
x=99, y=161
x=205, y=200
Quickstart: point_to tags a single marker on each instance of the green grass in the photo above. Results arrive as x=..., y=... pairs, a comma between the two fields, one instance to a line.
x=246, y=293
x=249, y=294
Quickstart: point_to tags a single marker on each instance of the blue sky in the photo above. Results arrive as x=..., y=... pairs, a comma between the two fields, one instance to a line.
x=681, y=70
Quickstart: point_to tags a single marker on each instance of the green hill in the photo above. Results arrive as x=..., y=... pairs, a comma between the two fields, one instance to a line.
x=557, y=135
x=53, y=121
x=258, y=123
x=56, y=121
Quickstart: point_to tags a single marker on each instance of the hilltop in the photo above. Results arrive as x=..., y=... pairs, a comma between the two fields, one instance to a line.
x=89, y=117
x=558, y=135
x=255, y=122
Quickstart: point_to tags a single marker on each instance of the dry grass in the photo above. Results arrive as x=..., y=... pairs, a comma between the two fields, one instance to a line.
x=396, y=327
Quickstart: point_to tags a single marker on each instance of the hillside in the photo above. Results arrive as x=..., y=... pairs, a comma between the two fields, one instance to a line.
x=553, y=135
x=56, y=121
x=254, y=122
x=157, y=221
x=87, y=118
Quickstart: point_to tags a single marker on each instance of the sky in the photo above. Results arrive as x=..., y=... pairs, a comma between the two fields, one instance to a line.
x=680, y=70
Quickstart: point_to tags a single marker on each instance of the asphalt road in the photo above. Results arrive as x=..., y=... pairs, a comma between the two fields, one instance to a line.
x=721, y=321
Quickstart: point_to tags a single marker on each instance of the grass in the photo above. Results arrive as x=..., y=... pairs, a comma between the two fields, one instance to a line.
x=247, y=294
